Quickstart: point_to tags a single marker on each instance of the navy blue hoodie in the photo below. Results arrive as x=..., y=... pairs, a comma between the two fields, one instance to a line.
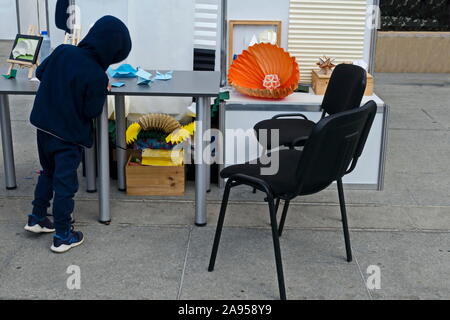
x=74, y=83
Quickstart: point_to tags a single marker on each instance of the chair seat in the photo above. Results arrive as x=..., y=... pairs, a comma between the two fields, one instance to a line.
x=282, y=183
x=289, y=129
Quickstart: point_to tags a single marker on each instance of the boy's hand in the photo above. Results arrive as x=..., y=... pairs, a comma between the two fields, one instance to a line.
x=109, y=86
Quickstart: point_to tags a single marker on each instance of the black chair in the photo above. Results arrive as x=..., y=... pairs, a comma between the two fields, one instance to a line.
x=344, y=92
x=332, y=151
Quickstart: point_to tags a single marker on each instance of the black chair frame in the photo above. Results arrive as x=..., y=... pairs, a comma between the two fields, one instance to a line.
x=274, y=203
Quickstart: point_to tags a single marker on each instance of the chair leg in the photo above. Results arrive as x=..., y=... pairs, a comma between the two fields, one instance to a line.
x=348, y=247
x=277, y=205
x=276, y=244
x=283, y=217
x=223, y=209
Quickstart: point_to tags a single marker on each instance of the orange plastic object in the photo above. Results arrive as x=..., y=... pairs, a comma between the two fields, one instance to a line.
x=250, y=71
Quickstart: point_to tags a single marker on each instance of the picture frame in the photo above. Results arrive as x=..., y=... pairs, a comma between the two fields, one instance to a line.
x=26, y=49
x=255, y=25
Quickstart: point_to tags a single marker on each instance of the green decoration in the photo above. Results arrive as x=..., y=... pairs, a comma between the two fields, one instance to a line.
x=221, y=98
x=11, y=75
x=112, y=132
x=158, y=135
x=302, y=88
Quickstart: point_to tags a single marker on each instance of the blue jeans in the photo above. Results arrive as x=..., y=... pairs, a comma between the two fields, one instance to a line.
x=58, y=180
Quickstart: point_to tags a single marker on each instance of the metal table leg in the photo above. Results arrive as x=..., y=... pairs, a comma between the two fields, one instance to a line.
x=200, y=166
x=222, y=129
x=103, y=152
x=208, y=141
x=121, y=144
x=8, y=151
x=90, y=165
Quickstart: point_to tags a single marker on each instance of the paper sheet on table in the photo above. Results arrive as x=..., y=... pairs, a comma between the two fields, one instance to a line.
x=124, y=71
x=164, y=76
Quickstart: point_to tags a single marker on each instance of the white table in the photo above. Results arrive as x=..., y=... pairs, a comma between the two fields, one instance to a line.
x=242, y=113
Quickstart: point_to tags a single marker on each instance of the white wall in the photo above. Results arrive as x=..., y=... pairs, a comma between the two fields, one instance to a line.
x=162, y=38
x=8, y=22
x=162, y=33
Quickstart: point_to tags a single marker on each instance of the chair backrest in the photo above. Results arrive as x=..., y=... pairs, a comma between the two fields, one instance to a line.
x=345, y=89
x=335, y=142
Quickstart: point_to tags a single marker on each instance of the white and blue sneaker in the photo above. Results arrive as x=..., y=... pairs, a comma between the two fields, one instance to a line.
x=61, y=245
x=37, y=225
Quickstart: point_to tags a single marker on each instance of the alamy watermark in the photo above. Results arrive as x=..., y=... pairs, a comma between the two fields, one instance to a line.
x=74, y=280
x=244, y=147
x=373, y=281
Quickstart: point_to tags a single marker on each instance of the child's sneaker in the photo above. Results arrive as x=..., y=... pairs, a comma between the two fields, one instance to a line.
x=60, y=245
x=39, y=226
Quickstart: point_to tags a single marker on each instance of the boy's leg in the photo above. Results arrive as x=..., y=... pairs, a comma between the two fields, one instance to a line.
x=38, y=221
x=65, y=185
x=43, y=192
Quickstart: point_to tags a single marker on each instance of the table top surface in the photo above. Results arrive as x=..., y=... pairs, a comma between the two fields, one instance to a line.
x=297, y=98
x=183, y=84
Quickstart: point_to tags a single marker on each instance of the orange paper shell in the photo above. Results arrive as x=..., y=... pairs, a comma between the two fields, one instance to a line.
x=248, y=71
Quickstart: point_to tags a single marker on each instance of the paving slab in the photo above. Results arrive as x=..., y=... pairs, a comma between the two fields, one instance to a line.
x=20, y=107
x=125, y=262
x=430, y=189
x=314, y=265
x=415, y=152
x=413, y=265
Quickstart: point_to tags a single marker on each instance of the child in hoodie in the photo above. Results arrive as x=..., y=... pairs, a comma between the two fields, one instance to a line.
x=72, y=92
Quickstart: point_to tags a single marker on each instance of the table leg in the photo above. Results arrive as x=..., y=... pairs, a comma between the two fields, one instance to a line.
x=121, y=144
x=8, y=151
x=103, y=151
x=200, y=166
x=221, y=157
x=90, y=165
x=208, y=141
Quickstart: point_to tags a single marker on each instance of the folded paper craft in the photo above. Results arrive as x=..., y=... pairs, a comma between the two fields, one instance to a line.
x=117, y=84
x=164, y=76
x=144, y=77
x=124, y=71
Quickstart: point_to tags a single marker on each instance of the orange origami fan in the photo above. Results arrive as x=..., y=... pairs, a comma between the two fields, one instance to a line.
x=265, y=71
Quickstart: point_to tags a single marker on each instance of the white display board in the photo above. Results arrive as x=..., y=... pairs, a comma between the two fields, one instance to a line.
x=8, y=22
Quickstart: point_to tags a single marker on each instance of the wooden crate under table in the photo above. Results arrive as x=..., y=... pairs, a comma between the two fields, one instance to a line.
x=155, y=181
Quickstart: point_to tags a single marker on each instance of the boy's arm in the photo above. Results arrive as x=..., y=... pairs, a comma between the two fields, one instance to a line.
x=43, y=65
x=41, y=68
x=95, y=97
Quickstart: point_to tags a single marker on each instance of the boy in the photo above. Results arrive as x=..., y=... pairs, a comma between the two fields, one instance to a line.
x=72, y=92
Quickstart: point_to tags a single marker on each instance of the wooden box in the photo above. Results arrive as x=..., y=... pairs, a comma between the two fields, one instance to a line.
x=155, y=181
x=320, y=83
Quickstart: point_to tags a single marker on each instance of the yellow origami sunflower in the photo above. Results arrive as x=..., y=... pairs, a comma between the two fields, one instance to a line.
x=133, y=132
x=182, y=134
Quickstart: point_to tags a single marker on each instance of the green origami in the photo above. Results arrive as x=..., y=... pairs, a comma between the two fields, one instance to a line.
x=11, y=75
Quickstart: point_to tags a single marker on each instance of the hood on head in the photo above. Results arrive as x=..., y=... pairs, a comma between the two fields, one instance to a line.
x=108, y=40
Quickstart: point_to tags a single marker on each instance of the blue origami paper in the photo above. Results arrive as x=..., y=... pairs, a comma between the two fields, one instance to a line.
x=164, y=76
x=124, y=71
x=117, y=84
x=144, y=77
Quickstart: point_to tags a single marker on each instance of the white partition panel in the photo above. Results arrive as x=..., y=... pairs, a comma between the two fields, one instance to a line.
x=8, y=24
